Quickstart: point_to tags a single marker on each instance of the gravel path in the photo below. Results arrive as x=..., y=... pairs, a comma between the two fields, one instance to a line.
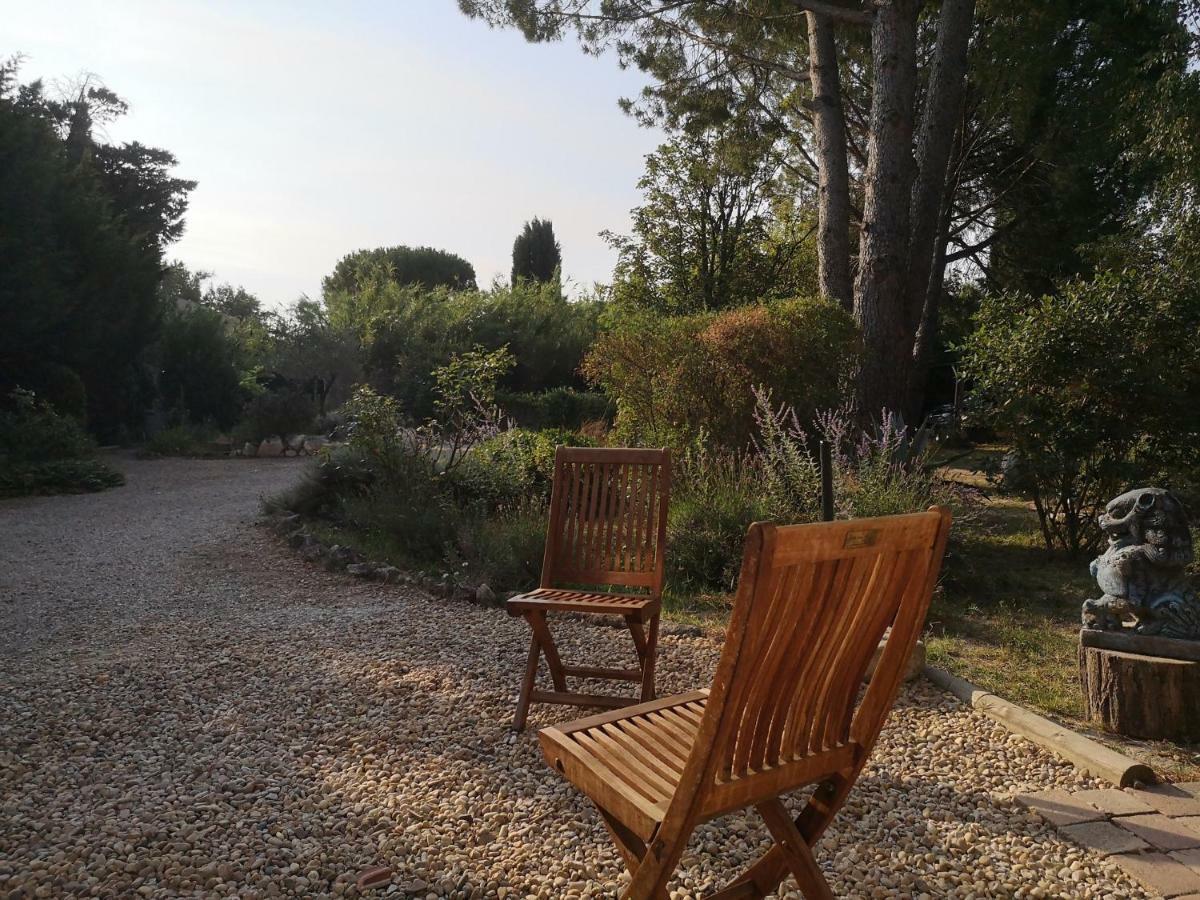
x=190, y=710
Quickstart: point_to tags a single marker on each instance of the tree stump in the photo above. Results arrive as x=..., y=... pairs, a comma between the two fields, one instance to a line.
x=1141, y=696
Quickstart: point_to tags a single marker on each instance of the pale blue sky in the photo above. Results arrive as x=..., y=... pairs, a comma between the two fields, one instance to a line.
x=316, y=128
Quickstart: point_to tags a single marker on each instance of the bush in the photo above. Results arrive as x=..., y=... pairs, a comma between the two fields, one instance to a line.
x=414, y=332
x=61, y=476
x=560, y=407
x=45, y=452
x=282, y=412
x=513, y=466
x=881, y=470
x=503, y=550
x=1096, y=389
x=673, y=377
x=32, y=431
x=179, y=440
x=714, y=500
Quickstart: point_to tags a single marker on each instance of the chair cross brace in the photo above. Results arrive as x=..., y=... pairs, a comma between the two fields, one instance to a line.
x=645, y=641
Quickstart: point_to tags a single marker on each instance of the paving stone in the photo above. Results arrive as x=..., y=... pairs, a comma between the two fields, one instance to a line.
x=1159, y=872
x=1060, y=808
x=1115, y=802
x=1190, y=858
x=1172, y=799
x=1104, y=838
x=1164, y=833
x=1192, y=822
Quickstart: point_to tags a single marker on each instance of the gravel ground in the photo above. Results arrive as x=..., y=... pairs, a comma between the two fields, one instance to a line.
x=188, y=709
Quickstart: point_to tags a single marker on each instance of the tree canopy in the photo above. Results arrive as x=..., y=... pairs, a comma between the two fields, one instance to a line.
x=421, y=266
x=536, y=254
x=82, y=228
x=925, y=134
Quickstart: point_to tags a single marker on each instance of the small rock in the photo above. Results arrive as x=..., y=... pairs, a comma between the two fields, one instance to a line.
x=485, y=596
x=373, y=877
x=272, y=446
x=361, y=570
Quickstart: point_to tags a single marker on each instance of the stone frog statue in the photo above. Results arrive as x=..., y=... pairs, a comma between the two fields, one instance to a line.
x=1143, y=571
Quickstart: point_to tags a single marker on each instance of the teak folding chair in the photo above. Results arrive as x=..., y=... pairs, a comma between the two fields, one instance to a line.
x=608, y=523
x=782, y=713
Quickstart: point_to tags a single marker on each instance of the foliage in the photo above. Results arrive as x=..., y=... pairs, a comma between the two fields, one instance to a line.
x=60, y=476
x=422, y=330
x=715, y=498
x=673, y=376
x=514, y=467
x=714, y=230
x=424, y=267
x=178, y=440
x=199, y=376
x=880, y=470
x=284, y=411
x=82, y=226
x=314, y=355
x=559, y=407
x=32, y=431
x=45, y=452
x=536, y=254
x=1095, y=388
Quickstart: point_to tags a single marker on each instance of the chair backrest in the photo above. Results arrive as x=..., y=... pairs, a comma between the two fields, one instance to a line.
x=608, y=518
x=813, y=603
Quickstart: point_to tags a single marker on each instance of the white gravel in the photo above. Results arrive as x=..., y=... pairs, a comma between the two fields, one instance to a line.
x=189, y=710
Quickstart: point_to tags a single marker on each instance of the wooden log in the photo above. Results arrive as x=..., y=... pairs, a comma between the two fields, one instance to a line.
x=1141, y=696
x=1088, y=756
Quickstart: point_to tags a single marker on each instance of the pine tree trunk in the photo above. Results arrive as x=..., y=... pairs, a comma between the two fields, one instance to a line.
x=881, y=294
x=927, y=244
x=833, y=179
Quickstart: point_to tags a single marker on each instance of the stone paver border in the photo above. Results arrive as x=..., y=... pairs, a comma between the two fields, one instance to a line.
x=1152, y=833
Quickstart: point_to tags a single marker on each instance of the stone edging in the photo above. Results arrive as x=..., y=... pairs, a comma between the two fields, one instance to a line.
x=1086, y=754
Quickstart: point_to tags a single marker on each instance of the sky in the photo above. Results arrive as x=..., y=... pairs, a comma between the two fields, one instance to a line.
x=316, y=128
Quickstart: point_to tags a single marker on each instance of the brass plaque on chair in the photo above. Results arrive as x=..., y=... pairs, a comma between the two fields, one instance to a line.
x=856, y=539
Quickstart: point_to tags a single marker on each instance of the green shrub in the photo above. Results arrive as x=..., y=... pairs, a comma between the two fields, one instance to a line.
x=884, y=469
x=32, y=431
x=409, y=333
x=45, y=452
x=560, y=407
x=514, y=465
x=282, y=412
x=673, y=377
x=503, y=550
x=199, y=376
x=61, y=476
x=1096, y=388
x=180, y=440
x=713, y=502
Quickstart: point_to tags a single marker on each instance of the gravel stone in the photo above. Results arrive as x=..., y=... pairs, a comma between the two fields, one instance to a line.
x=191, y=709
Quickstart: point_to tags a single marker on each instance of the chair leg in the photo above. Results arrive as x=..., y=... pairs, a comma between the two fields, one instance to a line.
x=537, y=621
x=648, y=663
x=631, y=847
x=795, y=850
x=531, y=667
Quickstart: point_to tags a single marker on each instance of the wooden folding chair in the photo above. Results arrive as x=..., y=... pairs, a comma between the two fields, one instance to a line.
x=782, y=713
x=608, y=523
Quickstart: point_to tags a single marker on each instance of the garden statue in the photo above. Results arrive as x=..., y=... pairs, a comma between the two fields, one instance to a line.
x=1143, y=571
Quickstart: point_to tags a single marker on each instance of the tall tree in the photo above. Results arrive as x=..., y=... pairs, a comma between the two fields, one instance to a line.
x=536, y=254
x=81, y=240
x=907, y=155
x=711, y=232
